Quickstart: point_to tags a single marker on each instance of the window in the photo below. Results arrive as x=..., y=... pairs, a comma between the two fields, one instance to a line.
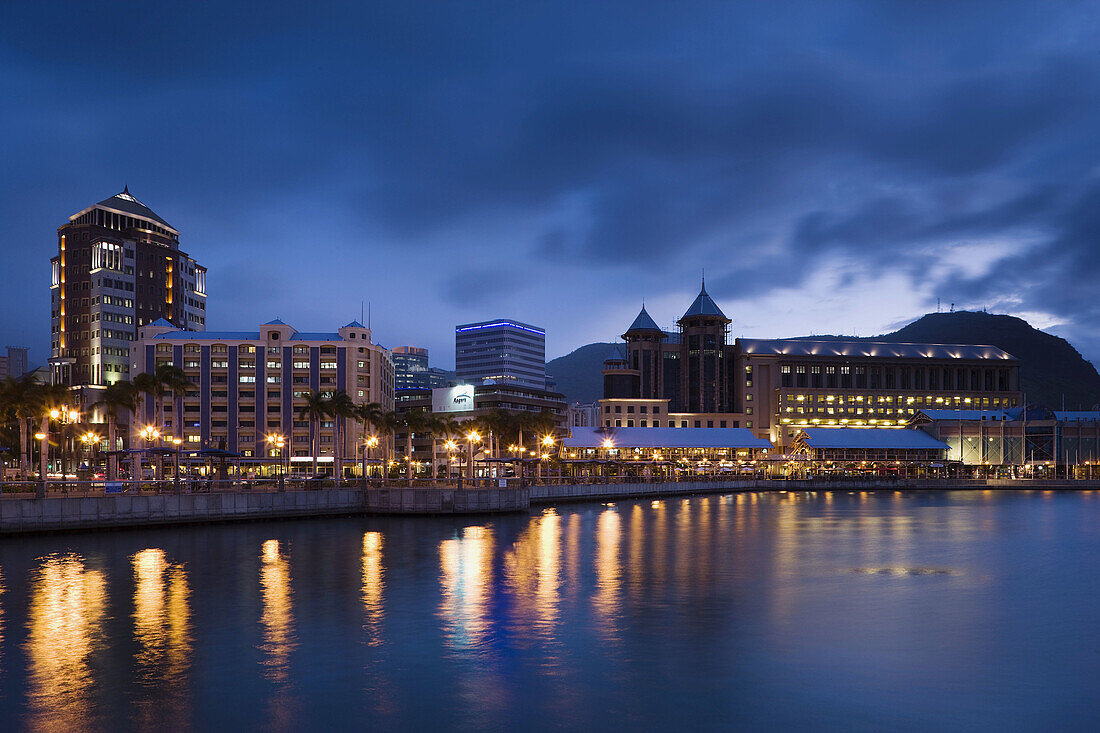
x=272, y=364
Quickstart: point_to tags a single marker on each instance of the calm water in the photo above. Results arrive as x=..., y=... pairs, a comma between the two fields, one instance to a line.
x=826, y=611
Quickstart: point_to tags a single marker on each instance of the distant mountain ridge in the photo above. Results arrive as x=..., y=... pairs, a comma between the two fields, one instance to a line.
x=1050, y=368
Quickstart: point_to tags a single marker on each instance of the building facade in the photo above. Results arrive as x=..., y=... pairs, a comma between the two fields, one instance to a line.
x=411, y=370
x=14, y=363
x=501, y=351
x=487, y=398
x=118, y=266
x=697, y=378
x=251, y=384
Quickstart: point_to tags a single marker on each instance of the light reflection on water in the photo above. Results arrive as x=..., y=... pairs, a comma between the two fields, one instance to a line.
x=65, y=618
x=162, y=632
x=799, y=610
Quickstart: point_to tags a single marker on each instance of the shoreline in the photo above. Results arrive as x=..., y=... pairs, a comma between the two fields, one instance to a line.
x=22, y=516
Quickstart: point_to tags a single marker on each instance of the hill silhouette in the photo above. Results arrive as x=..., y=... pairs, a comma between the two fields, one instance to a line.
x=1050, y=368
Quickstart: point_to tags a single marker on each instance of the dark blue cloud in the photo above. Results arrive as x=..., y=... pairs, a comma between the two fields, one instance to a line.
x=452, y=160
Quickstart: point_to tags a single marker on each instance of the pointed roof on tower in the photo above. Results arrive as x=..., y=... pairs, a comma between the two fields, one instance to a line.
x=644, y=323
x=704, y=305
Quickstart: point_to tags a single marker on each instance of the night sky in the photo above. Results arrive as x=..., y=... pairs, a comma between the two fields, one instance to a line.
x=834, y=167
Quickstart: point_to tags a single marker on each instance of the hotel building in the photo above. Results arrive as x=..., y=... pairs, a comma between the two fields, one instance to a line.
x=697, y=378
x=503, y=351
x=249, y=384
x=118, y=267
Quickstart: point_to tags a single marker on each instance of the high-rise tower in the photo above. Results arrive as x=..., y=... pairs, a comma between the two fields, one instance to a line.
x=118, y=266
x=703, y=373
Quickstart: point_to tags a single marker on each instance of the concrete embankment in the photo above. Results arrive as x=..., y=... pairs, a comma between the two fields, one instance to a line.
x=54, y=513
x=95, y=512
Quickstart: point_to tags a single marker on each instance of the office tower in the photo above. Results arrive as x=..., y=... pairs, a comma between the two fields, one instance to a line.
x=501, y=351
x=118, y=266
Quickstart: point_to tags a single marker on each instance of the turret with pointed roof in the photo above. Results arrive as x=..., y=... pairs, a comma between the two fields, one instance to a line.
x=704, y=307
x=643, y=324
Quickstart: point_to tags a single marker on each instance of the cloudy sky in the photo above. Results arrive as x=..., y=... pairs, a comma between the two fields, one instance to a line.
x=835, y=167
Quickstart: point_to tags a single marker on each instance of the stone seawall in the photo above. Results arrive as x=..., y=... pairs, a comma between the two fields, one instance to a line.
x=19, y=515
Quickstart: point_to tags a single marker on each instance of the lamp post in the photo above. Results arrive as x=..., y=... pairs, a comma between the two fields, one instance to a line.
x=368, y=445
x=276, y=443
x=451, y=447
x=44, y=445
x=176, y=442
x=149, y=434
x=471, y=438
x=90, y=441
x=64, y=416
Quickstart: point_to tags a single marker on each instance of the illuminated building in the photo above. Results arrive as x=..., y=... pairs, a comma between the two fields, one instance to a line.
x=697, y=379
x=1033, y=436
x=411, y=370
x=249, y=384
x=118, y=267
x=501, y=351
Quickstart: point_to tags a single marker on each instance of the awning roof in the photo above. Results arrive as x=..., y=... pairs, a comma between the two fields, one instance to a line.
x=664, y=438
x=880, y=349
x=860, y=438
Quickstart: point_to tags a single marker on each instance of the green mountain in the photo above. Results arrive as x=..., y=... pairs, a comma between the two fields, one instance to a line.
x=1050, y=367
x=577, y=374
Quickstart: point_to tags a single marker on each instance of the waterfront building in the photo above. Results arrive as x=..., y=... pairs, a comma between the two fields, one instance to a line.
x=583, y=415
x=251, y=384
x=846, y=448
x=501, y=351
x=724, y=447
x=1034, y=437
x=411, y=370
x=118, y=267
x=14, y=363
x=469, y=402
x=696, y=378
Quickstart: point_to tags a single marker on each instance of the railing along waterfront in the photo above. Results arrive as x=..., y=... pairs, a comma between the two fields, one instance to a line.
x=88, y=488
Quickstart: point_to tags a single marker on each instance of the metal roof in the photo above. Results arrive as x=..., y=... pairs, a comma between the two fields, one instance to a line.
x=125, y=203
x=644, y=323
x=703, y=305
x=1009, y=414
x=880, y=349
x=1077, y=415
x=869, y=438
x=664, y=438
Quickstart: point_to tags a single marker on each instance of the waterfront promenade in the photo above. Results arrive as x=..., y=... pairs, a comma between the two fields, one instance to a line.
x=79, y=506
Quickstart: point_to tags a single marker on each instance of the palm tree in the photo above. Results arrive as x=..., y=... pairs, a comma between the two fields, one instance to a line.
x=388, y=422
x=368, y=414
x=415, y=420
x=446, y=426
x=315, y=409
x=496, y=422
x=340, y=407
x=46, y=397
x=17, y=399
x=166, y=379
x=116, y=395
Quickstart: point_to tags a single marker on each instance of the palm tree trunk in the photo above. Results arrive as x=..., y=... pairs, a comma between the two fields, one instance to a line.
x=112, y=458
x=25, y=447
x=409, y=456
x=316, y=442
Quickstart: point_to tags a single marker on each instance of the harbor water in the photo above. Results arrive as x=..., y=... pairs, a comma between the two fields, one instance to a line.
x=819, y=610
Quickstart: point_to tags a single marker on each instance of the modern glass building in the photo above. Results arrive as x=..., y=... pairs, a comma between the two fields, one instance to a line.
x=503, y=351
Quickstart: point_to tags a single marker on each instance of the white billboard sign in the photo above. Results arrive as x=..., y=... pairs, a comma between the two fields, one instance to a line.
x=453, y=399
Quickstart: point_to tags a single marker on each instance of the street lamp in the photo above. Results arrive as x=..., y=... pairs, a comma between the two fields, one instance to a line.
x=149, y=434
x=90, y=441
x=471, y=437
x=176, y=442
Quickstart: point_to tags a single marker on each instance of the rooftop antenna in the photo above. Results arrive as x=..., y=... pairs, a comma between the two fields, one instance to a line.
x=368, y=316
x=360, y=311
